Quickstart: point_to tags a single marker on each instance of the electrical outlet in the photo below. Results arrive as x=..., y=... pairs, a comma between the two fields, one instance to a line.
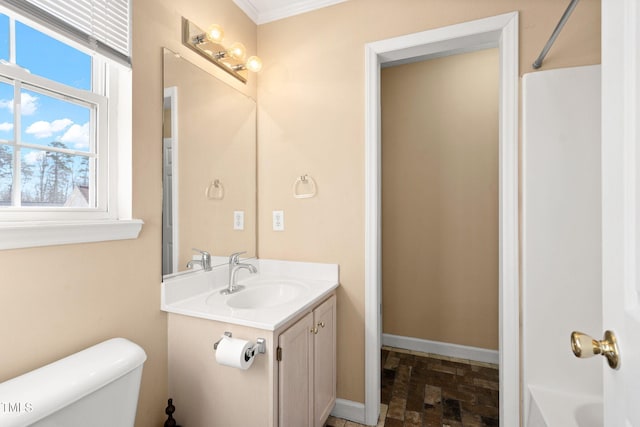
x=278, y=220
x=238, y=220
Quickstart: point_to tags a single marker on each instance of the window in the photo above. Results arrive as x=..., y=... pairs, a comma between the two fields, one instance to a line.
x=65, y=134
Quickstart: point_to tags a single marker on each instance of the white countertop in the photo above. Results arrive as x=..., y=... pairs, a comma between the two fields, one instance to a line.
x=197, y=294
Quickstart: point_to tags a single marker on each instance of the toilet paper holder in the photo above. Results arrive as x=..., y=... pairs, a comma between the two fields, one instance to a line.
x=259, y=347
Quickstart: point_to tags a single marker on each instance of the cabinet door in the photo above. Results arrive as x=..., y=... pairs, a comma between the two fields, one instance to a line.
x=295, y=370
x=324, y=349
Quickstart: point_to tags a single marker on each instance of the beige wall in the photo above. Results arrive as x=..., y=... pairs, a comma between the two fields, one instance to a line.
x=59, y=300
x=311, y=120
x=440, y=199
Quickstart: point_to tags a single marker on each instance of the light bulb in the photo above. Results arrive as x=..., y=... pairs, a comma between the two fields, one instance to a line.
x=237, y=51
x=215, y=33
x=254, y=64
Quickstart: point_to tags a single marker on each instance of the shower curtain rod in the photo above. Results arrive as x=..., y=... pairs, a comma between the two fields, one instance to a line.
x=565, y=16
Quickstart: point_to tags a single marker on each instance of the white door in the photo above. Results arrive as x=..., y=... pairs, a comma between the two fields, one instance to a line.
x=621, y=206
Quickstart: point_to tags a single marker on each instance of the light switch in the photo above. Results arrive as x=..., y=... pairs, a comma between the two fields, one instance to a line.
x=238, y=220
x=278, y=220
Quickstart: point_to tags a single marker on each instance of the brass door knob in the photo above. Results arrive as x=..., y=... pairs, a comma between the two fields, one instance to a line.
x=584, y=346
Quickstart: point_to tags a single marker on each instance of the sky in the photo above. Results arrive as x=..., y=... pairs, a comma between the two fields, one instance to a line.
x=45, y=118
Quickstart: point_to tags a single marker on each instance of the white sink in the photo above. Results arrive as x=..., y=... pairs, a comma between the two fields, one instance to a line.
x=261, y=293
x=276, y=294
x=265, y=296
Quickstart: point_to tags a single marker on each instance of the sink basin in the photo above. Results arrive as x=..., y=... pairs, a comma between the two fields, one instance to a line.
x=262, y=294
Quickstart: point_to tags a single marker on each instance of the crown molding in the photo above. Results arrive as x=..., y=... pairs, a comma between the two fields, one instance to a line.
x=248, y=8
x=260, y=13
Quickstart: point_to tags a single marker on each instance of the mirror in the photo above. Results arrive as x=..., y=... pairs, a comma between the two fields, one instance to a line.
x=209, y=167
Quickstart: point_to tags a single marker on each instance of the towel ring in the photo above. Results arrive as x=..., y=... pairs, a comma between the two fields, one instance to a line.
x=304, y=187
x=215, y=190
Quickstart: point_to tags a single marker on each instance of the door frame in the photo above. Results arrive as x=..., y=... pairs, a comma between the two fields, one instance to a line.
x=498, y=31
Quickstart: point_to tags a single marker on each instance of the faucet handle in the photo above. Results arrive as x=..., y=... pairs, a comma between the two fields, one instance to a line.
x=234, y=258
x=206, y=259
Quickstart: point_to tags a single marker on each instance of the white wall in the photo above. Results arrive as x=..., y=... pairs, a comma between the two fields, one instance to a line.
x=561, y=226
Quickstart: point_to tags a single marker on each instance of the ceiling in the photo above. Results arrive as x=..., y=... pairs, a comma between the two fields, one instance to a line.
x=263, y=11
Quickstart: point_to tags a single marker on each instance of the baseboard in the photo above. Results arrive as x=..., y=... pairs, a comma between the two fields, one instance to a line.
x=349, y=410
x=444, y=349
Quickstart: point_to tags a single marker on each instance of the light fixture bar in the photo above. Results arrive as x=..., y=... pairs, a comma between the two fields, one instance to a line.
x=194, y=38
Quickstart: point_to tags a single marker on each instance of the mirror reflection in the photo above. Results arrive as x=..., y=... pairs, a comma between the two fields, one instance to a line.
x=209, y=168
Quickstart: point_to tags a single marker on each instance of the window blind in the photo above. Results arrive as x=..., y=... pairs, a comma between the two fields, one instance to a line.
x=102, y=25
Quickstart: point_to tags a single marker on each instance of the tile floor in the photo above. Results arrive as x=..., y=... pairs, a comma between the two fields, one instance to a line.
x=425, y=390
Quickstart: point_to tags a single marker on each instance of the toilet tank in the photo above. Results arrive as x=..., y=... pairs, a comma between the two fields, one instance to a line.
x=96, y=387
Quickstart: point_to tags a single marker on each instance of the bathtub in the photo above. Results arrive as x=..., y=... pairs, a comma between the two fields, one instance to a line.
x=554, y=408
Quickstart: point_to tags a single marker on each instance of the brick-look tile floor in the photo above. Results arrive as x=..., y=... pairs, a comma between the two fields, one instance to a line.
x=425, y=390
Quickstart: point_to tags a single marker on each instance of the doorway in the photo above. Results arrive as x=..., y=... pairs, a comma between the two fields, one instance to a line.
x=500, y=32
x=440, y=239
x=440, y=205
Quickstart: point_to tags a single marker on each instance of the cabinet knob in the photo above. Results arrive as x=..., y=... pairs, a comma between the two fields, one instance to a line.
x=316, y=328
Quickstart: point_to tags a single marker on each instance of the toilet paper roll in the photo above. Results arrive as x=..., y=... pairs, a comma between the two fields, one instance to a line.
x=233, y=352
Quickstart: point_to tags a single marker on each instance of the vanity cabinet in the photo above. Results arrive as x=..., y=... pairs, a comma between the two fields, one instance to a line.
x=306, y=356
x=297, y=391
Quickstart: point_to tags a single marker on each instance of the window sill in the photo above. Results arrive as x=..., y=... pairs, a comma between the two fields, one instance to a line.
x=29, y=234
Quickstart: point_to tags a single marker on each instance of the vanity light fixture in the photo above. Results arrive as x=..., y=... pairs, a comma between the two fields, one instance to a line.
x=209, y=45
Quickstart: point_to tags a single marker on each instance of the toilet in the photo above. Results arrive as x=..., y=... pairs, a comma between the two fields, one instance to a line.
x=96, y=387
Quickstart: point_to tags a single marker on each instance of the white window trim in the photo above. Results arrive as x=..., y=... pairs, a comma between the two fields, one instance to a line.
x=119, y=224
x=16, y=235
x=37, y=83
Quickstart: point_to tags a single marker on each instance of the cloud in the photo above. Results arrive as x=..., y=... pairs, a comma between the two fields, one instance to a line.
x=29, y=104
x=43, y=129
x=6, y=127
x=78, y=135
x=34, y=156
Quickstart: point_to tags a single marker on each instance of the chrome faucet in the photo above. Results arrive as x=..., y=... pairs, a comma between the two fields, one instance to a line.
x=234, y=266
x=204, y=261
